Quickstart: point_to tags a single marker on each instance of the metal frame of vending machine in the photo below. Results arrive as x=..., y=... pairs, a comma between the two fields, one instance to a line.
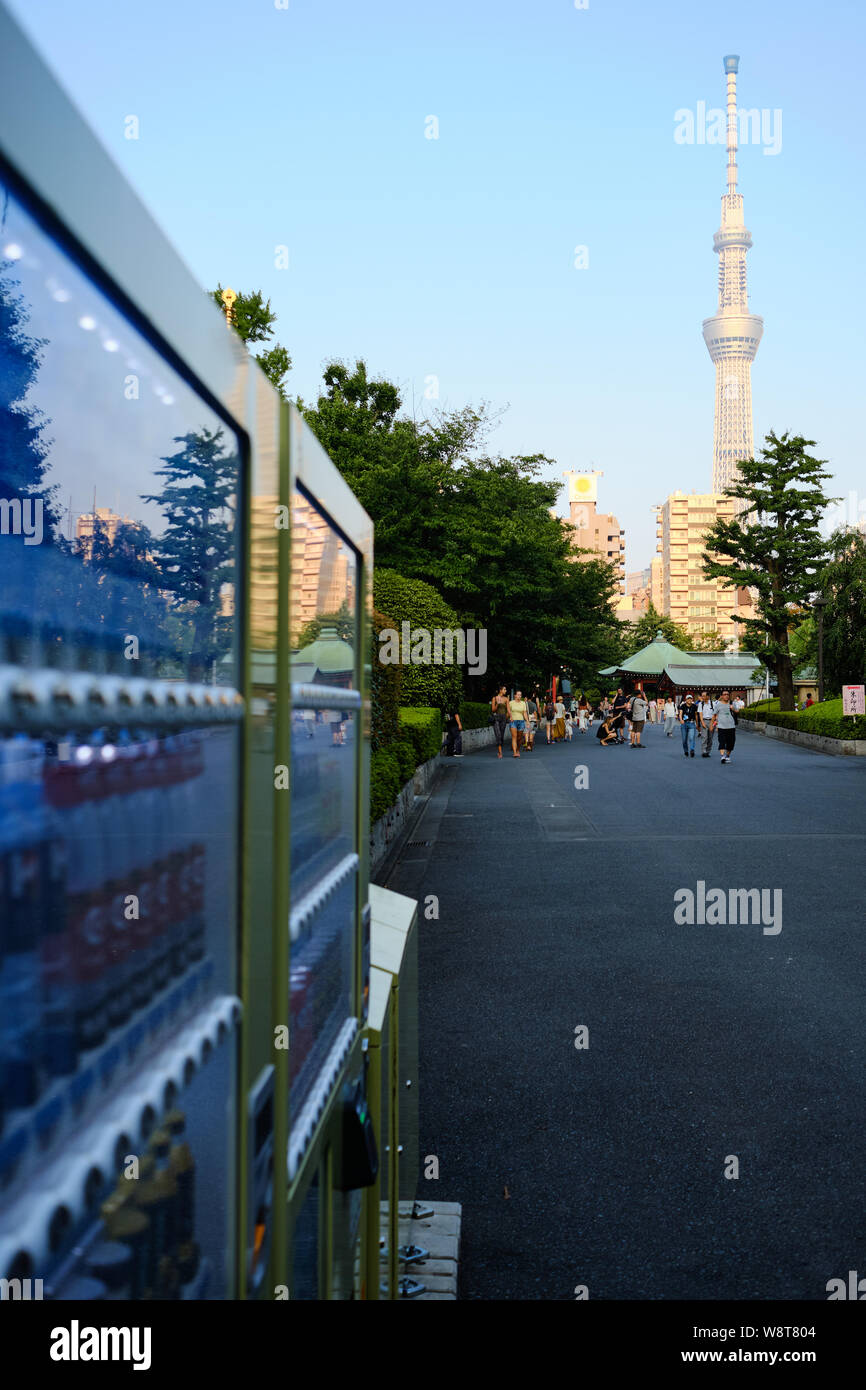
x=392, y=1034
x=143, y=841
x=331, y=1152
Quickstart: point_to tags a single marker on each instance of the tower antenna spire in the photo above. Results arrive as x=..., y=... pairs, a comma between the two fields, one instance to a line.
x=733, y=333
x=732, y=63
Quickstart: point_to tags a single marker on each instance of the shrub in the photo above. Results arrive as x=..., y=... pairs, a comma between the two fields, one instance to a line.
x=385, y=782
x=474, y=714
x=385, y=688
x=419, y=604
x=423, y=727
x=825, y=719
x=759, y=709
x=405, y=755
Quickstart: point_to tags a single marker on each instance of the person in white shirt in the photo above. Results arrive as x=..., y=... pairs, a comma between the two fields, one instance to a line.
x=724, y=721
x=707, y=709
x=670, y=712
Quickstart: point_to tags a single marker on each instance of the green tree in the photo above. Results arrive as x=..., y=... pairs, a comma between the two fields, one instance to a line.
x=343, y=620
x=195, y=554
x=640, y=634
x=253, y=320
x=803, y=642
x=474, y=525
x=843, y=581
x=773, y=545
x=711, y=641
x=23, y=447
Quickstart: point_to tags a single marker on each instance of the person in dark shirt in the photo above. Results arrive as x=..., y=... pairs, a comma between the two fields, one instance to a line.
x=689, y=716
x=453, y=734
x=620, y=703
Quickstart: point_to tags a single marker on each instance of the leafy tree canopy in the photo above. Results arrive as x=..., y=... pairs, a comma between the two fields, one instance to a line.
x=640, y=634
x=774, y=545
x=253, y=320
x=843, y=584
x=475, y=525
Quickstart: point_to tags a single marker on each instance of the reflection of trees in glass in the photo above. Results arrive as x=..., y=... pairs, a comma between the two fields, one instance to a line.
x=195, y=554
x=23, y=449
x=343, y=620
x=120, y=583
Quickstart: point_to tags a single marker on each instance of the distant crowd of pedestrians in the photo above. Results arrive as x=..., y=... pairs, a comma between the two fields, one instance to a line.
x=699, y=720
x=518, y=719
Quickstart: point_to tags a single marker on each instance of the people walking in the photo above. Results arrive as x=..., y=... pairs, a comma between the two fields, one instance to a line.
x=453, y=733
x=724, y=720
x=531, y=721
x=670, y=716
x=549, y=717
x=637, y=714
x=689, y=717
x=559, y=726
x=570, y=721
x=518, y=715
x=499, y=710
x=707, y=708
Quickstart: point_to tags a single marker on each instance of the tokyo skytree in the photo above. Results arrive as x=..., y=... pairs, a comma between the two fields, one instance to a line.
x=732, y=335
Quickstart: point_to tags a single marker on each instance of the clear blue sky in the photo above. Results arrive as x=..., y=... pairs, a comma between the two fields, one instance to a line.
x=454, y=257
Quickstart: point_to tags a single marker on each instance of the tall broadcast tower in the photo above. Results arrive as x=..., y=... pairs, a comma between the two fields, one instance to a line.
x=732, y=335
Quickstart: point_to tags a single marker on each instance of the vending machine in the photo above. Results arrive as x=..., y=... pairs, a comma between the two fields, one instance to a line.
x=185, y=593
x=127, y=447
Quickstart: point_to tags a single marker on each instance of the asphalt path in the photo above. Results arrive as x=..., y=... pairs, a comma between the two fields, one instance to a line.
x=605, y=1166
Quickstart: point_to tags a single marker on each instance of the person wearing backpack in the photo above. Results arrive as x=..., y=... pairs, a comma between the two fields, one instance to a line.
x=549, y=717
x=707, y=708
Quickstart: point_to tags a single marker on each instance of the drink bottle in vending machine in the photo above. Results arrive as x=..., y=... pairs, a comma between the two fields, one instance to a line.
x=21, y=837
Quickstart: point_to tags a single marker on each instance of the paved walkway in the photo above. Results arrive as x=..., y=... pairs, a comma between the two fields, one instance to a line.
x=605, y=1166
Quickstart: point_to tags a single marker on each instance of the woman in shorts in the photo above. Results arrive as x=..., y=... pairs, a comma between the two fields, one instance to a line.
x=519, y=717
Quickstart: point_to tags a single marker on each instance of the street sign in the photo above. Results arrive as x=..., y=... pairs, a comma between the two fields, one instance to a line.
x=854, y=699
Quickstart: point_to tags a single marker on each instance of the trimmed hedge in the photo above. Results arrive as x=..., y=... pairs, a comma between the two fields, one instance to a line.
x=385, y=691
x=405, y=755
x=759, y=709
x=385, y=782
x=420, y=738
x=474, y=714
x=826, y=720
x=423, y=727
x=419, y=604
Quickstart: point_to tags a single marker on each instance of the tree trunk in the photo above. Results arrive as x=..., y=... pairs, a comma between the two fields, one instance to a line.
x=785, y=674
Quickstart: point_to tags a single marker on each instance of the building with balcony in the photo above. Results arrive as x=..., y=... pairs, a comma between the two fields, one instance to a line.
x=698, y=604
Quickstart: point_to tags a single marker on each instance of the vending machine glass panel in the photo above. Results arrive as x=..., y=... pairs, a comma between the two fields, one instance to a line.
x=326, y=705
x=120, y=534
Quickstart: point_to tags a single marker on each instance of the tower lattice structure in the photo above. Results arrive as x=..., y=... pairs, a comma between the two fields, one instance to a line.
x=732, y=335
